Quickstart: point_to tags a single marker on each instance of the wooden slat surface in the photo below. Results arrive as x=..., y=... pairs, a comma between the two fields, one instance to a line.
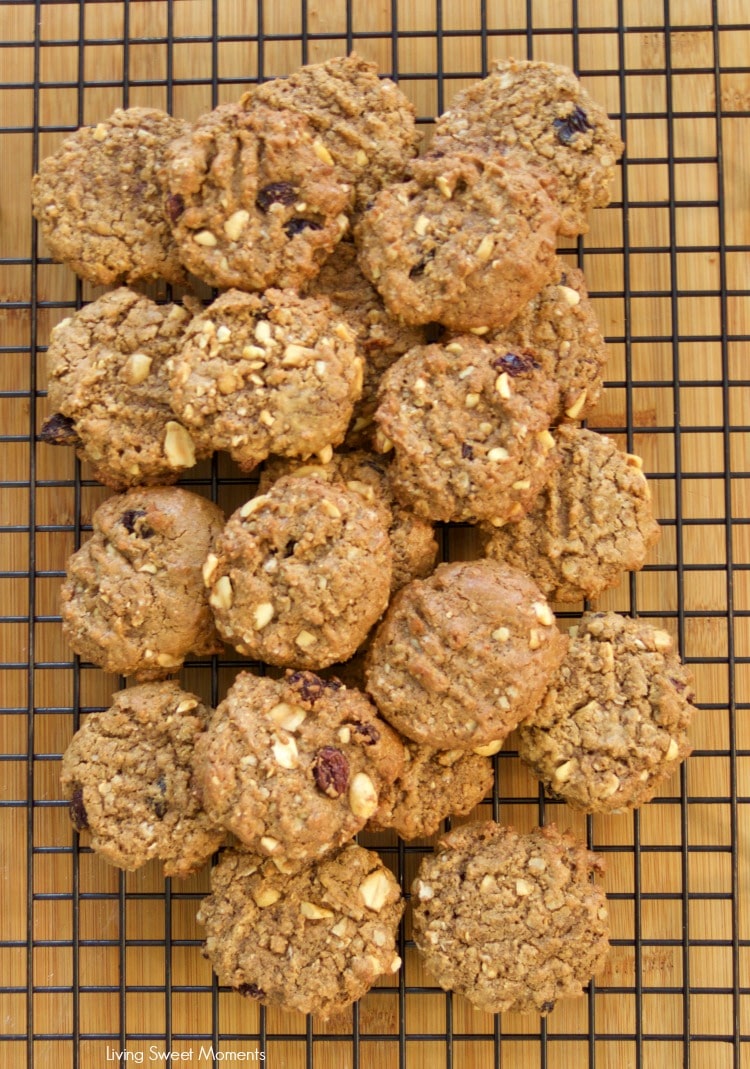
x=679, y=358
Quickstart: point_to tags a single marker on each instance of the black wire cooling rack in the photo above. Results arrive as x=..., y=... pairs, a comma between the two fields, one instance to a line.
x=101, y=967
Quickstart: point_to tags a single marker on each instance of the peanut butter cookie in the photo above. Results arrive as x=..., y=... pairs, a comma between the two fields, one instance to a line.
x=295, y=766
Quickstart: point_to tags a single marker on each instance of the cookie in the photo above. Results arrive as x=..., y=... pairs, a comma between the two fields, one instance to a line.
x=299, y=575
x=613, y=725
x=133, y=601
x=294, y=767
x=315, y=941
x=99, y=200
x=559, y=329
x=128, y=778
x=380, y=339
x=109, y=390
x=365, y=124
x=463, y=656
x=540, y=113
x=253, y=199
x=468, y=423
x=592, y=522
x=466, y=242
x=511, y=921
x=271, y=373
x=434, y=784
x=413, y=543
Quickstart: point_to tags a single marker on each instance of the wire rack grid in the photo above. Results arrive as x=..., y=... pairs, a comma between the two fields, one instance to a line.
x=100, y=966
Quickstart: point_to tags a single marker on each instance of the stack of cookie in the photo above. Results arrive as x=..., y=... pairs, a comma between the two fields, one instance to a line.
x=340, y=257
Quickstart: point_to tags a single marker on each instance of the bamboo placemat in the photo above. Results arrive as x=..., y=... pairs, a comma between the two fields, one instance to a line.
x=95, y=962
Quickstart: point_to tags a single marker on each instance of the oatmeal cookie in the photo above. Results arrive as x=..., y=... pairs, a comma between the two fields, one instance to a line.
x=99, y=199
x=272, y=373
x=128, y=778
x=614, y=722
x=592, y=522
x=559, y=329
x=252, y=200
x=434, y=784
x=380, y=339
x=365, y=124
x=466, y=242
x=412, y=538
x=463, y=656
x=314, y=941
x=541, y=113
x=109, y=390
x=468, y=423
x=133, y=601
x=299, y=575
x=295, y=766
x=511, y=921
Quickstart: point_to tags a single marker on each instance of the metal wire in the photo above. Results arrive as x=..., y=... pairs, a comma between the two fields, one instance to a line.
x=585, y=1039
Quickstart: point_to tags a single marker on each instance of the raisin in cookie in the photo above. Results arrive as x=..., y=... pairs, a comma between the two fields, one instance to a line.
x=466, y=242
x=380, y=339
x=592, y=522
x=468, y=424
x=463, y=656
x=511, y=921
x=541, y=113
x=614, y=722
x=299, y=575
x=314, y=941
x=295, y=766
x=413, y=544
x=252, y=201
x=128, y=778
x=364, y=124
x=559, y=329
x=133, y=601
x=434, y=784
x=271, y=373
x=109, y=390
x=99, y=199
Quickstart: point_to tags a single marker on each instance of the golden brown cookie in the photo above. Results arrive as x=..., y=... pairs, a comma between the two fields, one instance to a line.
x=133, y=601
x=413, y=543
x=541, y=113
x=313, y=941
x=592, y=522
x=300, y=574
x=511, y=921
x=271, y=373
x=128, y=778
x=613, y=725
x=468, y=424
x=99, y=199
x=109, y=390
x=295, y=766
x=463, y=656
x=252, y=200
x=466, y=242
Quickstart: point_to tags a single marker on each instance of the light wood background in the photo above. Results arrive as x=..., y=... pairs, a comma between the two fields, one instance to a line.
x=90, y=957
